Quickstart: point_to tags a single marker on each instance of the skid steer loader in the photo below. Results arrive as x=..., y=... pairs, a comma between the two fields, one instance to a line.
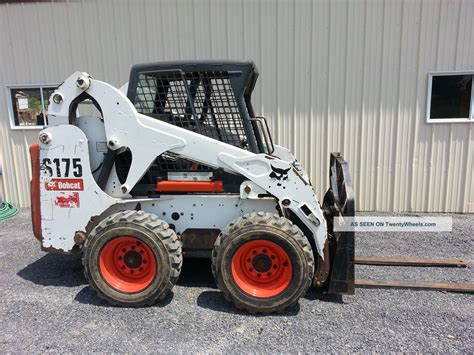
x=180, y=165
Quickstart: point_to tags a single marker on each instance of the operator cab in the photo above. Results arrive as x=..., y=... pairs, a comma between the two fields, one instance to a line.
x=207, y=97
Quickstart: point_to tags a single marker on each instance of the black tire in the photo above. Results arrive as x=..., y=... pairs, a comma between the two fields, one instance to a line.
x=161, y=242
x=275, y=229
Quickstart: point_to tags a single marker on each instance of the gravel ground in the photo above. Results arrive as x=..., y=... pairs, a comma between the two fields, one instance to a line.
x=46, y=305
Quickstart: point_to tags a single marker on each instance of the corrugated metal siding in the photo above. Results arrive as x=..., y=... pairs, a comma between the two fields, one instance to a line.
x=347, y=76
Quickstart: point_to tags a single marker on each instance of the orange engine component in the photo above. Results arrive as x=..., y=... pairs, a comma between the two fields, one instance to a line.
x=189, y=186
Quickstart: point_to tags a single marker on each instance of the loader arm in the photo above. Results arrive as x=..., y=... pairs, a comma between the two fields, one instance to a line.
x=148, y=138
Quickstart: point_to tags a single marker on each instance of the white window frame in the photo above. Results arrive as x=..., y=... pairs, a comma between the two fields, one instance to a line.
x=11, y=116
x=470, y=119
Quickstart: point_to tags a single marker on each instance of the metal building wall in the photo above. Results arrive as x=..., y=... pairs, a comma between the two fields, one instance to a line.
x=342, y=75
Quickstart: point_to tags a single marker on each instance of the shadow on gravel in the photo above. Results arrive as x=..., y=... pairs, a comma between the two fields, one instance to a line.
x=55, y=270
x=88, y=296
x=215, y=301
x=314, y=294
x=196, y=273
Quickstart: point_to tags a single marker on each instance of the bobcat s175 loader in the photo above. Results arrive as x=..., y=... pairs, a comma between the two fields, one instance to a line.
x=178, y=166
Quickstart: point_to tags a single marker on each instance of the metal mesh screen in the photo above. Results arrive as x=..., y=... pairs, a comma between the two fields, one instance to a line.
x=203, y=102
x=217, y=110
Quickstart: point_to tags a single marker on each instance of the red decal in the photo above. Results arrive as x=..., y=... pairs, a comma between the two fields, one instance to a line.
x=64, y=184
x=68, y=200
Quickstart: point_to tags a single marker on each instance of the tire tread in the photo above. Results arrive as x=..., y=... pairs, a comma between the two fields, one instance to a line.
x=268, y=219
x=161, y=229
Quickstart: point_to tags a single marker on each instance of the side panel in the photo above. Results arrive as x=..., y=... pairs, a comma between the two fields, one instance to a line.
x=203, y=211
x=69, y=195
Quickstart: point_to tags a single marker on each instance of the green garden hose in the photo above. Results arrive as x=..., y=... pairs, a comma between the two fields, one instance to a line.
x=7, y=210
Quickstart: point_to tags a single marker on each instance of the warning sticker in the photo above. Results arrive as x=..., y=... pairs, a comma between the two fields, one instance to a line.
x=189, y=176
x=68, y=200
x=65, y=185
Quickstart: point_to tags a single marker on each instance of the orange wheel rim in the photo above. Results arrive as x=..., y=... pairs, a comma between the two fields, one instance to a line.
x=127, y=264
x=261, y=268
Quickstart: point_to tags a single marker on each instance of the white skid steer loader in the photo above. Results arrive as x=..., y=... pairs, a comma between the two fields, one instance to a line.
x=181, y=166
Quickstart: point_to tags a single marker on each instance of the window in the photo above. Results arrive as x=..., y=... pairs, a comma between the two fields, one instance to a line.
x=28, y=105
x=450, y=97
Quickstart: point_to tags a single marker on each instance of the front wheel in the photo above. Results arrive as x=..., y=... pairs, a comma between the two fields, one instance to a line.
x=132, y=258
x=262, y=263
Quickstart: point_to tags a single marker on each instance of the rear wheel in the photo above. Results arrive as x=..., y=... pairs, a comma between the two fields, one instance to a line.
x=262, y=263
x=132, y=258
